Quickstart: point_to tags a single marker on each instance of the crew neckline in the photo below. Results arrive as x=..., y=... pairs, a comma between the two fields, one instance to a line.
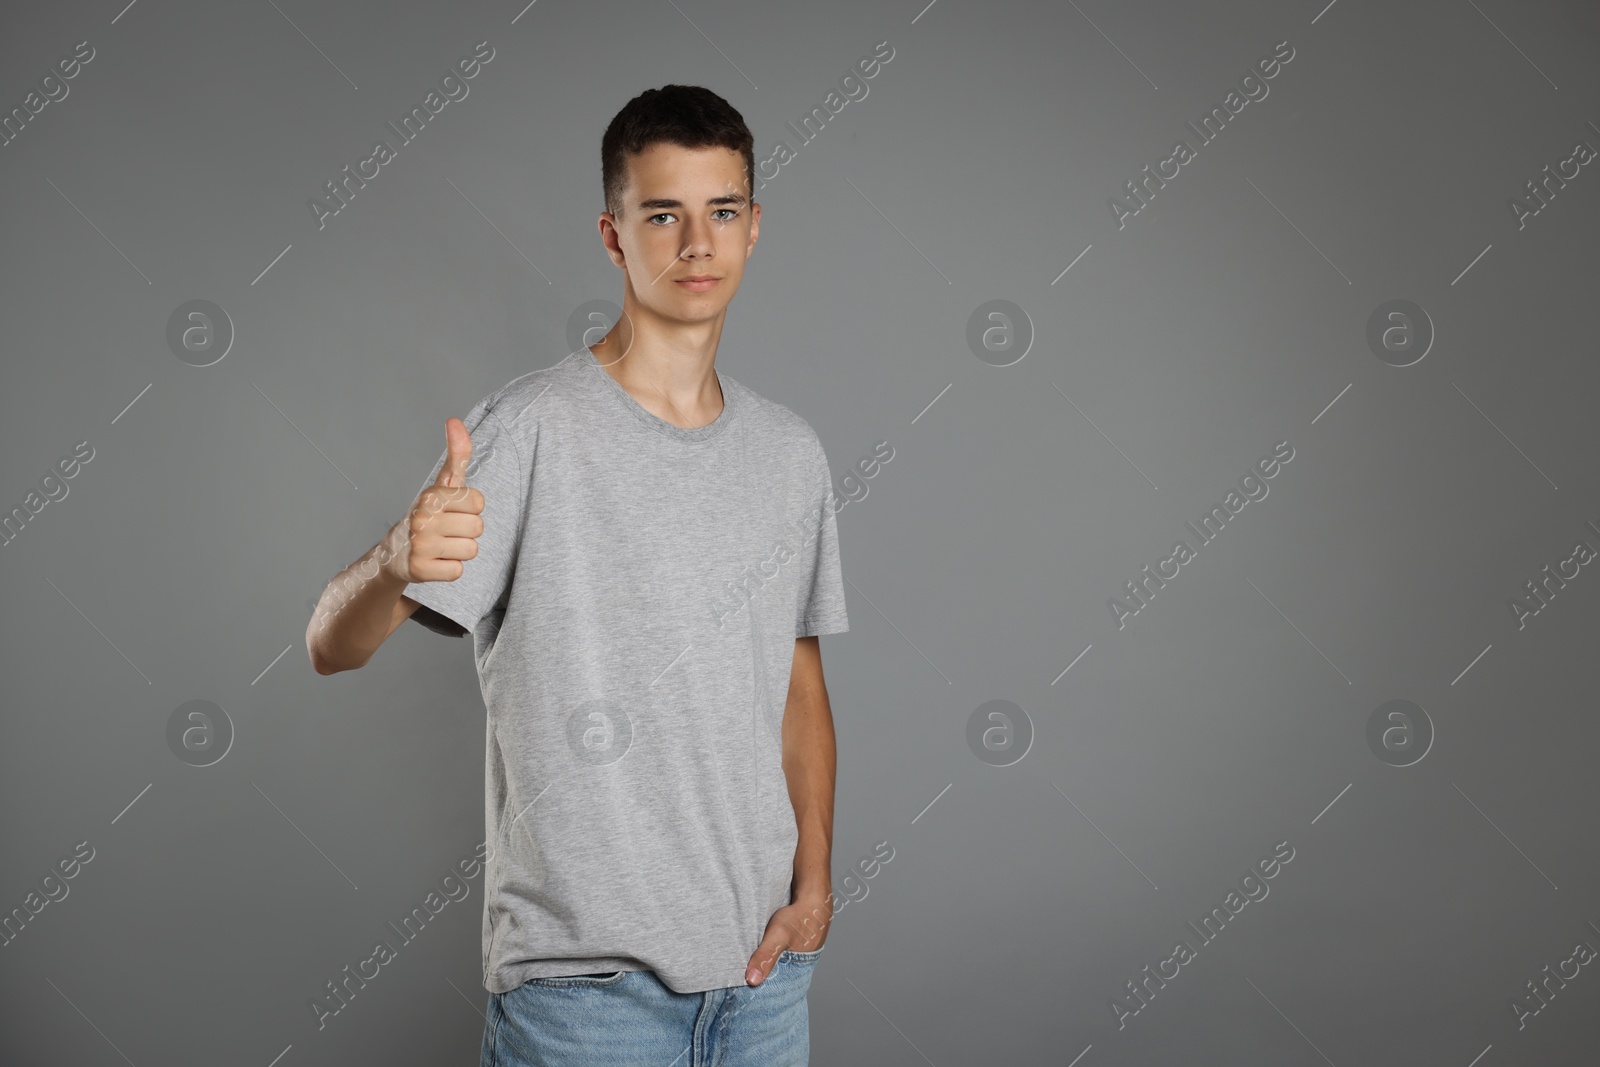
x=730, y=404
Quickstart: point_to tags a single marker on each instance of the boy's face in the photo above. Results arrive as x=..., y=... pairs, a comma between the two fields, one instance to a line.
x=686, y=214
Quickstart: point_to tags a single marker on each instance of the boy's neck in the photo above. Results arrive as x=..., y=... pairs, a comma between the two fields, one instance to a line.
x=670, y=371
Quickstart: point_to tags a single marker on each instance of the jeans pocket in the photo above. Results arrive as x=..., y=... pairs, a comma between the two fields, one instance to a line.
x=579, y=979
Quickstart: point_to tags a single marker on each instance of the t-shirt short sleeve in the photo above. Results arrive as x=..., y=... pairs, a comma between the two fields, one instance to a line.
x=820, y=605
x=496, y=470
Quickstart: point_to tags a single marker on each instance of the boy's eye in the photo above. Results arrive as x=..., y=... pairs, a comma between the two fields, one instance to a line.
x=731, y=213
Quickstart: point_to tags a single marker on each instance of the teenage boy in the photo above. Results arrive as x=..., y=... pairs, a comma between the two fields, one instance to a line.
x=645, y=553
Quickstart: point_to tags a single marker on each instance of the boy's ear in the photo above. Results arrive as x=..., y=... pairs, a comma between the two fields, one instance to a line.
x=608, y=225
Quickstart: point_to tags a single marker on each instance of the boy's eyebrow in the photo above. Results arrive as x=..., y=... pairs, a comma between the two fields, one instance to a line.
x=716, y=201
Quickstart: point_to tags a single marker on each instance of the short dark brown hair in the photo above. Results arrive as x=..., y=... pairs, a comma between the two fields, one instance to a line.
x=685, y=115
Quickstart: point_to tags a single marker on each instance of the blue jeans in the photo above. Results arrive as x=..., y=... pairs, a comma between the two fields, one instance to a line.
x=630, y=1019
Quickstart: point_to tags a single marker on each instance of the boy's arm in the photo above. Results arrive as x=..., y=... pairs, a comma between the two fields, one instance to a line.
x=809, y=764
x=356, y=614
x=363, y=604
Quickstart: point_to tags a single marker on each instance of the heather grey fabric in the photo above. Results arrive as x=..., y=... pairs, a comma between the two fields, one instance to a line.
x=633, y=606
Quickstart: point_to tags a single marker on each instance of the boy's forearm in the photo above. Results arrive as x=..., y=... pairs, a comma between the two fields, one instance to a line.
x=356, y=612
x=813, y=876
x=809, y=764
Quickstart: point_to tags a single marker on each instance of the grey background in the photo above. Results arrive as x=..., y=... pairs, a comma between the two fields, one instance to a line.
x=1229, y=315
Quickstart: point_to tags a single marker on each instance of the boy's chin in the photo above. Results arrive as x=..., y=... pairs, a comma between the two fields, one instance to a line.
x=690, y=308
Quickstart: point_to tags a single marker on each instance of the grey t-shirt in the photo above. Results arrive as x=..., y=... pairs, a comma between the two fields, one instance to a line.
x=633, y=605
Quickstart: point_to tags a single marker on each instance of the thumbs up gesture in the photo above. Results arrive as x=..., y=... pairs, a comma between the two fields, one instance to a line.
x=441, y=531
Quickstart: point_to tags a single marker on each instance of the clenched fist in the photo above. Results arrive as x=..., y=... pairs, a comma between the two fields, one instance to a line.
x=441, y=531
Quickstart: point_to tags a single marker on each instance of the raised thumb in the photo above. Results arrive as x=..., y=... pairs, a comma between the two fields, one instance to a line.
x=458, y=454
